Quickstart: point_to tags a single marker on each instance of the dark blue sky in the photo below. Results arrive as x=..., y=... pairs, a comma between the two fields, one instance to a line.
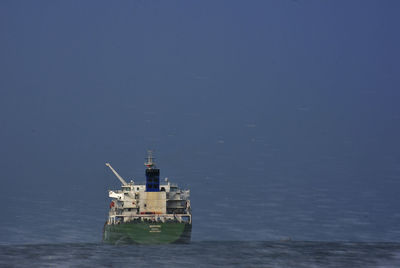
x=248, y=103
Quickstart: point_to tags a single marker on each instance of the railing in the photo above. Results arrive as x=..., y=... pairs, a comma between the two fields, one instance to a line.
x=157, y=218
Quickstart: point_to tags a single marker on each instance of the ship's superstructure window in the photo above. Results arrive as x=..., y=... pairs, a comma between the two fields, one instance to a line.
x=152, y=180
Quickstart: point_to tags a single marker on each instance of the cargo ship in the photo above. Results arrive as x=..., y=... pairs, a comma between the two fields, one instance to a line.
x=150, y=213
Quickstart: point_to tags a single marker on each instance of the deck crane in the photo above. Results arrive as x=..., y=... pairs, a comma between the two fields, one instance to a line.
x=117, y=175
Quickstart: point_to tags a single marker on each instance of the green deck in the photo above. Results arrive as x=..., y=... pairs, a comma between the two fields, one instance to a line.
x=147, y=233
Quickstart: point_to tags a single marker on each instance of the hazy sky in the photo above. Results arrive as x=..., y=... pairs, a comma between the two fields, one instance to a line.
x=235, y=97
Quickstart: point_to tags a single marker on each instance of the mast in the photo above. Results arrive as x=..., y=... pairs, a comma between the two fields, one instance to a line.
x=149, y=163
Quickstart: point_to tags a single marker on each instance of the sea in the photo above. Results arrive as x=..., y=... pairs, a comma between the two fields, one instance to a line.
x=272, y=226
x=204, y=254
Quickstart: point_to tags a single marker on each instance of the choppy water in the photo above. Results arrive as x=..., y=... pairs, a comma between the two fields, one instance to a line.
x=204, y=254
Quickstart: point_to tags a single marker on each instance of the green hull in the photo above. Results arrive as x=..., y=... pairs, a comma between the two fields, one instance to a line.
x=147, y=233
